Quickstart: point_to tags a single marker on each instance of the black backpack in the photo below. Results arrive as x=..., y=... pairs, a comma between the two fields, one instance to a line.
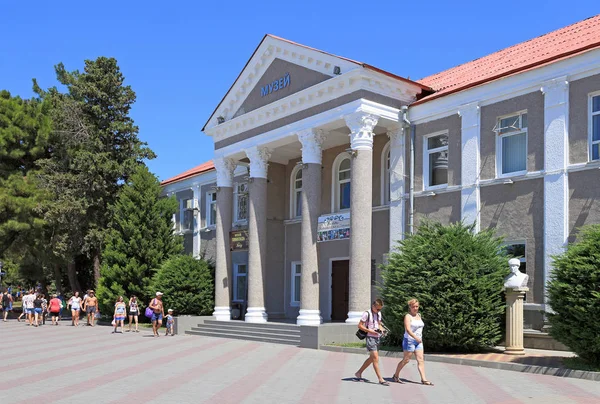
x=5, y=300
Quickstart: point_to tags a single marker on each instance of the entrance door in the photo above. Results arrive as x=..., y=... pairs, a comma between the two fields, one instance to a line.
x=339, y=290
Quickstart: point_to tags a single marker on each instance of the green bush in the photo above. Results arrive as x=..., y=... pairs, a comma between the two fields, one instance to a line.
x=187, y=284
x=574, y=296
x=457, y=276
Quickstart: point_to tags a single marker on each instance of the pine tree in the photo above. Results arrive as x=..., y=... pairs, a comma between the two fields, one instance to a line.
x=457, y=276
x=140, y=239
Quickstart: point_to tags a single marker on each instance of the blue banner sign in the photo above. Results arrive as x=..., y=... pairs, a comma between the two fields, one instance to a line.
x=277, y=85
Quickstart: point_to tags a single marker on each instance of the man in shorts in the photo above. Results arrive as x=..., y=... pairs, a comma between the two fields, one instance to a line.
x=371, y=324
x=28, y=306
x=90, y=305
x=158, y=312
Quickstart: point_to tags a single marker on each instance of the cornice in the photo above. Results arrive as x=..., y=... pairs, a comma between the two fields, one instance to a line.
x=328, y=90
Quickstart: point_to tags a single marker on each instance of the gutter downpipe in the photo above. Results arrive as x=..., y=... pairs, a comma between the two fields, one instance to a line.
x=407, y=126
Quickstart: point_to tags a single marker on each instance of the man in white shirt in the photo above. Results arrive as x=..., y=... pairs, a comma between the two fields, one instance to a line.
x=28, y=305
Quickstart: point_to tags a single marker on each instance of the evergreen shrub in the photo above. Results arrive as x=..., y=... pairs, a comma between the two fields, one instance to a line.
x=457, y=275
x=187, y=284
x=574, y=296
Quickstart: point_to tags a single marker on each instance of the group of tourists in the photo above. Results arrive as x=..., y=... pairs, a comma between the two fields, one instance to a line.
x=36, y=308
x=371, y=324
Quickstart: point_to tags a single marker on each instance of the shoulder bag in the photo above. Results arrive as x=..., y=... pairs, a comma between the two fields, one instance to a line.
x=360, y=334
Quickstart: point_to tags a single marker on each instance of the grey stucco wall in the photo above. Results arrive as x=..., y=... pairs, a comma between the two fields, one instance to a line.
x=516, y=211
x=584, y=200
x=534, y=104
x=578, y=117
x=443, y=208
x=300, y=78
x=451, y=124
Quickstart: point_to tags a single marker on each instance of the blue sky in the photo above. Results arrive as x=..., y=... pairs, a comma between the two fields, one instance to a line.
x=181, y=57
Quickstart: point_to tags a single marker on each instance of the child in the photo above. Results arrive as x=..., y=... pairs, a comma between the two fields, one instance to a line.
x=170, y=323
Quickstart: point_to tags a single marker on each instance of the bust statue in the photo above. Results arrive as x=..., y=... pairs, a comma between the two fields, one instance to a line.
x=516, y=279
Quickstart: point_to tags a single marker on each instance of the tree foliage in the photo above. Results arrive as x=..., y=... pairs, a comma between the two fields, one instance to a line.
x=95, y=150
x=187, y=284
x=457, y=276
x=574, y=295
x=140, y=239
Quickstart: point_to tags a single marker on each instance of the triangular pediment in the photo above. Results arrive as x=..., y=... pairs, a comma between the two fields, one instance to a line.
x=292, y=66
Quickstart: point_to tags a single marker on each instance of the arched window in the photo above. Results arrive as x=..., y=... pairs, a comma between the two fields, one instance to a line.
x=385, y=175
x=341, y=183
x=296, y=192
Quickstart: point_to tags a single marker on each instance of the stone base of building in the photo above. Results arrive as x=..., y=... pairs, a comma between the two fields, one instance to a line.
x=222, y=314
x=256, y=315
x=309, y=317
x=354, y=317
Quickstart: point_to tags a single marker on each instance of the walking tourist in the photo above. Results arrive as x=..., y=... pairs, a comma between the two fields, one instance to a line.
x=170, y=323
x=371, y=323
x=27, y=306
x=75, y=303
x=54, y=309
x=134, y=312
x=90, y=305
x=7, y=302
x=119, y=314
x=413, y=342
x=37, y=309
x=158, y=311
x=44, y=308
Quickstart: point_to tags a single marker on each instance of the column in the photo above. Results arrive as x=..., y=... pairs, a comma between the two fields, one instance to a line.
x=225, y=168
x=397, y=202
x=556, y=157
x=196, y=222
x=514, y=321
x=361, y=207
x=310, y=313
x=257, y=233
x=470, y=164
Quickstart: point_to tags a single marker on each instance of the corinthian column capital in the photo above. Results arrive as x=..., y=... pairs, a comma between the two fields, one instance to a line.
x=312, y=141
x=225, y=167
x=259, y=161
x=361, y=127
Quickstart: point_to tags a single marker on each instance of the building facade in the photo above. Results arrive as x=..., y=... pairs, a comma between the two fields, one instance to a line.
x=320, y=149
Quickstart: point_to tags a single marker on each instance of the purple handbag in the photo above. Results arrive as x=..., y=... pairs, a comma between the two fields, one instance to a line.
x=149, y=312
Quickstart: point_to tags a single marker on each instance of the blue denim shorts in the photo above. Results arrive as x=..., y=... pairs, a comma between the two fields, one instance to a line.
x=410, y=345
x=157, y=317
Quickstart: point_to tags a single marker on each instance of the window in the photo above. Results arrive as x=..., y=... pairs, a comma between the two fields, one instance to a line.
x=241, y=202
x=517, y=250
x=341, y=183
x=187, y=215
x=211, y=209
x=512, y=144
x=240, y=273
x=595, y=128
x=296, y=195
x=296, y=274
x=385, y=175
x=435, y=160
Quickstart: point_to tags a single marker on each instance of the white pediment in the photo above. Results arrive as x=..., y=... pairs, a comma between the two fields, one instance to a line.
x=271, y=49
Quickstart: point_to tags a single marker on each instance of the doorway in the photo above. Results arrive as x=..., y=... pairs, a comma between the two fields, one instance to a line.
x=339, y=289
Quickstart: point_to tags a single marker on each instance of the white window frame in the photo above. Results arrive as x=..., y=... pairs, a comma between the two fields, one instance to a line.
x=295, y=278
x=591, y=114
x=293, y=191
x=335, y=181
x=426, y=153
x=236, y=202
x=182, y=209
x=385, y=174
x=499, y=138
x=209, y=202
x=236, y=274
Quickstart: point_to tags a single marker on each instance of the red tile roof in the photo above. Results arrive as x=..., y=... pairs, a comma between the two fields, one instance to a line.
x=565, y=42
x=202, y=168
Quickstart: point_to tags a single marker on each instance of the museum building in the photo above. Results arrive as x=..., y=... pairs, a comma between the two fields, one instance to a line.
x=322, y=163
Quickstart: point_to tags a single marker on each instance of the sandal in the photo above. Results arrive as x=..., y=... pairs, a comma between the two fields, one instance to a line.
x=384, y=383
x=426, y=383
x=396, y=379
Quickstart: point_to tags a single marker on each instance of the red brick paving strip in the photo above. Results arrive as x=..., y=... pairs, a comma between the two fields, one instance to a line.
x=325, y=386
x=74, y=389
x=149, y=393
x=487, y=390
x=412, y=391
x=245, y=386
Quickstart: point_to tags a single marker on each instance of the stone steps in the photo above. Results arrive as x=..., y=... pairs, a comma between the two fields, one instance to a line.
x=265, y=332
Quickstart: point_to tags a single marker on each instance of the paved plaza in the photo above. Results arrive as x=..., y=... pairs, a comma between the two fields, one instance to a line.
x=64, y=364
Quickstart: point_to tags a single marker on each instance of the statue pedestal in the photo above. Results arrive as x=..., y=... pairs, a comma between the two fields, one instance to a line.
x=514, y=321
